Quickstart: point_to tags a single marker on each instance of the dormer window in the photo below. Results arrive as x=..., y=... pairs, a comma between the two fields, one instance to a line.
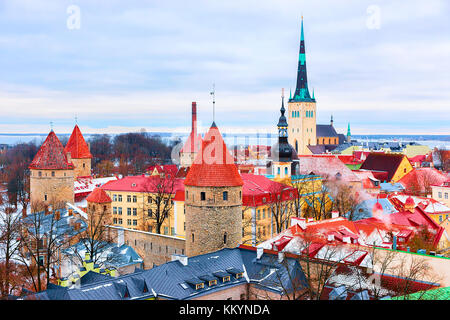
x=226, y=279
x=199, y=286
x=212, y=283
x=239, y=275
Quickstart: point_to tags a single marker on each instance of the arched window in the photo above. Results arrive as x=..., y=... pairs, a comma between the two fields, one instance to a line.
x=192, y=237
x=285, y=170
x=279, y=170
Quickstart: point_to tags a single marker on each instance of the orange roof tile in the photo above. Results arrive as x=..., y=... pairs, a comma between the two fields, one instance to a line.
x=214, y=166
x=98, y=196
x=77, y=146
x=51, y=155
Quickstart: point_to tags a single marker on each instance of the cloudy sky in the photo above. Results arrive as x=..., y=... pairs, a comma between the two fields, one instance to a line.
x=118, y=66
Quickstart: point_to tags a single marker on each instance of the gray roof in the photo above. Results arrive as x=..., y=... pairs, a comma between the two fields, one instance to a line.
x=325, y=130
x=170, y=280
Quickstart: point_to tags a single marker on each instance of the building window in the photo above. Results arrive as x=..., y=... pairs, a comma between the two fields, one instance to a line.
x=120, y=198
x=128, y=198
x=446, y=195
x=120, y=210
x=286, y=171
x=40, y=174
x=264, y=213
x=129, y=222
x=172, y=231
x=129, y=211
x=149, y=212
x=225, y=238
x=187, y=195
x=45, y=197
x=114, y=197
x=120, y=220
x=166, y=230
x=149, y=199
x=202, y=196
x=439, y=194
x=115, y=220
x=134, y=222
x=193, y=238
x=184, y=226
x=84, y=165
x=226, y=279
x=134, y=212
x=134, y=199
x=225, y=196
x=258, y=216
x=53, y=173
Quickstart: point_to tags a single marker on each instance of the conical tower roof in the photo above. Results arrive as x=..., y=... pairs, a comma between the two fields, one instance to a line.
x=51, y=155
x=98, y=196
x=77, y=146
x=213, y=166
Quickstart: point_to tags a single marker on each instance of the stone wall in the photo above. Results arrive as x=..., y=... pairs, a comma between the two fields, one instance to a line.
x=154, y=249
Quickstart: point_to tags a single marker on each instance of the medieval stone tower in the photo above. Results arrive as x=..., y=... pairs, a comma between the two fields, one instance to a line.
x=99, y=208
x=51, y=177
x=302, y=108
x=213, y=198
x=78, y=152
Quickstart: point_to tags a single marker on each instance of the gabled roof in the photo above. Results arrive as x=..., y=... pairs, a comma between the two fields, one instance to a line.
x=77, y=146
x=98, y=196
x=325, y=130
x=214, y=166
x=383, y=162
x=51, y=155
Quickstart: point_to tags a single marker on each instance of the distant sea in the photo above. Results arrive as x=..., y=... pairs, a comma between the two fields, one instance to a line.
x=253, y=139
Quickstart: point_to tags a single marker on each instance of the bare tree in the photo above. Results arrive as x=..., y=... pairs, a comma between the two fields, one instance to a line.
x=41, y=240
x=10, y=222
x=281, y=206
x=159, y=192
x=97, y=237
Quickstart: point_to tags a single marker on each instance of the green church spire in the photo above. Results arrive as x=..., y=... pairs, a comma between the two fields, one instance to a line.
x=301, y=91
x=348, y=130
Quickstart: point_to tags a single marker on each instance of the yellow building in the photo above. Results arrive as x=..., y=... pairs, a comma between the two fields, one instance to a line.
x=143, y=202
x=441, y=193
x=396, y=165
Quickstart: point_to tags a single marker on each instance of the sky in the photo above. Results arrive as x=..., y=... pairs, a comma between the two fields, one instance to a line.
x=119, y=66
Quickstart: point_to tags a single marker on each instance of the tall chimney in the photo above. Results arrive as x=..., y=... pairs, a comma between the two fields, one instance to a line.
x=194, y=119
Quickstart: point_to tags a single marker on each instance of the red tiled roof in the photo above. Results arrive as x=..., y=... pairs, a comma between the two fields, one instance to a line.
x=77, y=146
x=167, y=169
x=144, y=183
x=98, y=196
x=259, y=190
x=214, y=166
x=383, y=162
x=418, y=180
x=51, y=155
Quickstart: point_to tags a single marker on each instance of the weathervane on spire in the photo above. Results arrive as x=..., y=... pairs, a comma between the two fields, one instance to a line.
x=51, y=125
x=76, y=119
x=213, y=93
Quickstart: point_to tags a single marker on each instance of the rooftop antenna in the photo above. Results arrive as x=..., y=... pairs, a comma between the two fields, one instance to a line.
x=213, y=93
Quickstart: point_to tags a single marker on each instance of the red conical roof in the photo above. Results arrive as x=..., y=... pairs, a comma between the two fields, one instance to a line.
x=98, y=196
x=213, y=166
x=51, y=155
x=77, y=146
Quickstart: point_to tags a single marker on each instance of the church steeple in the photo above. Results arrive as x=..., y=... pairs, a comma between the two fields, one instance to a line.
x=282, y=122
x=302, y=91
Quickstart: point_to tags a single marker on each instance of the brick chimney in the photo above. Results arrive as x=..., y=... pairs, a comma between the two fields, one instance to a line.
x=194, y=119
